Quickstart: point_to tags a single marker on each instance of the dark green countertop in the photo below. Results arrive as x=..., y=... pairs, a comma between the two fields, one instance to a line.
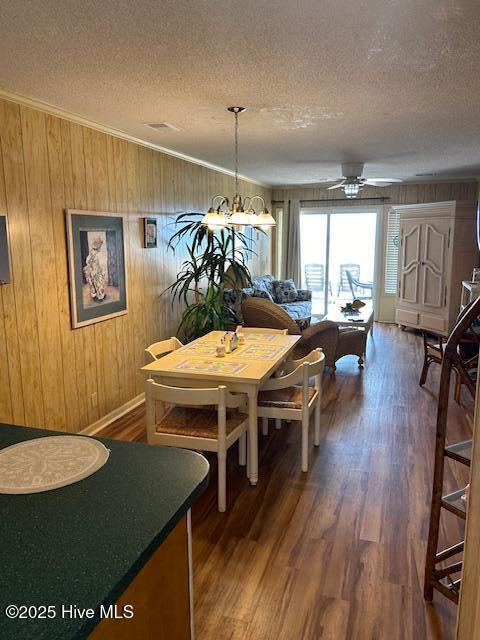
x=82, y=544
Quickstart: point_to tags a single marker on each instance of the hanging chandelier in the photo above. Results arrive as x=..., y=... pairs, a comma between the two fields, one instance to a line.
x=237, y=211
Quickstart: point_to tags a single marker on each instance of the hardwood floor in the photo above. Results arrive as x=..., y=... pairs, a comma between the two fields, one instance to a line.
x=336, y=553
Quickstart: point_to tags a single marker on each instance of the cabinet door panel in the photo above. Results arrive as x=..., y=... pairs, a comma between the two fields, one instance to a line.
x=434, y=258
x=410, y=261
x=435, y=323
x=403, y=316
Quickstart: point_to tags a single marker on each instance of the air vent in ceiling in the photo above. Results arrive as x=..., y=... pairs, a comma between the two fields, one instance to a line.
x=161, y=126
x=425, y=175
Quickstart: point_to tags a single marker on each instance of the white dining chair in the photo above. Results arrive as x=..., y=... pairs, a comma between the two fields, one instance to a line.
x=290, y=397
x=159, y=349
x=192, y=423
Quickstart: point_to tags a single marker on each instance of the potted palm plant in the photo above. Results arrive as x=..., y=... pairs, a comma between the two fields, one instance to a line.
x=215, y=260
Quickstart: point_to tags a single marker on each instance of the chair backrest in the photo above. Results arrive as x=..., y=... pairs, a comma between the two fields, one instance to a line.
x=266, y=330
x=258, y=312
x=315, y=276
x=159, y=349
x=351, y=281
x=314, y=357
x=465, y=323
x=187, y=397
x=354, y=270
x=308, y=367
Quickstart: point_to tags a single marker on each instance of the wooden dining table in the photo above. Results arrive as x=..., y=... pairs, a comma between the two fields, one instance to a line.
x=244, y=370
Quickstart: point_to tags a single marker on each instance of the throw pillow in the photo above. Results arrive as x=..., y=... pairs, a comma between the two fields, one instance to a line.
x=285, y=291
x=262, y=293
x=263, y=283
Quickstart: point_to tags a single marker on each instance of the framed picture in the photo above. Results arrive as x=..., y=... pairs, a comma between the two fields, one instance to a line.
x=5, y=277
x=150, y=230
x=96, y=262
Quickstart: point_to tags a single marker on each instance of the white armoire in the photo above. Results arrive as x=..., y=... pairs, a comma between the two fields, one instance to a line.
x=437, y=250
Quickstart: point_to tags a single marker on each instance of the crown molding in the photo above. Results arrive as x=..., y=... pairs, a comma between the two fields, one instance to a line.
x=117, y=133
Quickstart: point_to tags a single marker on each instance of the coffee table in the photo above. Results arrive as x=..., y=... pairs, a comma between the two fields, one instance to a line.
x=363, y=319
x=353, y=331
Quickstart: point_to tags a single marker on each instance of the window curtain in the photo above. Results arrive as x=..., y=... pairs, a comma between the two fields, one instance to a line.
x=293, y=265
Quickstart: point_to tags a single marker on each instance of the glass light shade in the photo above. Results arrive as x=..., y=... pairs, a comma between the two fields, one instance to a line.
x=250, y=217
x=239, y=218
x=265, y=219
x=214, y=220
x=351, y=190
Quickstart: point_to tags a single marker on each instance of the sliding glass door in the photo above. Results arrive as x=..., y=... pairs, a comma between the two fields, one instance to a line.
x=338, y=255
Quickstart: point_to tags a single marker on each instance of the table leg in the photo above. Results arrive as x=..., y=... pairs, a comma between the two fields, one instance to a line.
x=253, y=434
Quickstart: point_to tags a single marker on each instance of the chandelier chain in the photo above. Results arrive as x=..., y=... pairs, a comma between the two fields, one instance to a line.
x=236, y=152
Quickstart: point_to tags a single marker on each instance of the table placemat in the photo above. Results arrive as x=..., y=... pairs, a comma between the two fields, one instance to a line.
x=199, y=349
x=211, y=366
x=43, y=464
x=259, y=351
x=261, y=337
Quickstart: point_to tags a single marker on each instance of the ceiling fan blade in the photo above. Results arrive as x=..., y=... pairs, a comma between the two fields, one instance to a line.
x=378, y=181
x=336, y=186
x=374, y=183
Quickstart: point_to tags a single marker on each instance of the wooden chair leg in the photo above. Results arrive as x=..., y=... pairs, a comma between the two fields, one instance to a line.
x=423, y=376
x=278, y=423
x=316, y=419
x=222, y=481
x=264, y=426
x=242, y=450
x=305, y=425
x=458, y=387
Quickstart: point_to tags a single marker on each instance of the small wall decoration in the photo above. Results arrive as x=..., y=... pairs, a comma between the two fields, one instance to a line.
x=5, y=277
x=150, y=229
x=96, y=260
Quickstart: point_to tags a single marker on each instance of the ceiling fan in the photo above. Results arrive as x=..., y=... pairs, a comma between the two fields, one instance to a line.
x=352, y=181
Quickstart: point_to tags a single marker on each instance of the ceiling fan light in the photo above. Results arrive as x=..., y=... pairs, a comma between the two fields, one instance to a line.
x=351, y=190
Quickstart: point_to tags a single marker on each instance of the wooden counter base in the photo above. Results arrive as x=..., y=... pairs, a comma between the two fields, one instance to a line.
x=160, y=595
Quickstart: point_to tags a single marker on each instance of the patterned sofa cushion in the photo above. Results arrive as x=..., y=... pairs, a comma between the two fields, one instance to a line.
x=304, y=294
x=264, y=283
x=232, y=303
x=284, y=291
x=260, y=290
x=300, y=309
x=297, y=310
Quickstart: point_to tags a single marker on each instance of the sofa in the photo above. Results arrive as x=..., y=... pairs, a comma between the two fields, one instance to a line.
x=297, y=303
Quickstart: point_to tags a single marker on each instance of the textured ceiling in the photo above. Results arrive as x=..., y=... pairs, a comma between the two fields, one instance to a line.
x=393, y=83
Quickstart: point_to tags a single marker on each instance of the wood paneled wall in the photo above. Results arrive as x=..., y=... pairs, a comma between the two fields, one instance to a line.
x=50, y=375
x=398, y=193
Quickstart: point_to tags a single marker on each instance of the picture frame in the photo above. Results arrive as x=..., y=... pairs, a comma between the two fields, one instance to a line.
x=96, y=265
x=150, y=233
x=5, y=274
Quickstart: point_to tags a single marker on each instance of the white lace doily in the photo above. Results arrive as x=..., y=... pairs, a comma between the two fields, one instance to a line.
x=42, y=464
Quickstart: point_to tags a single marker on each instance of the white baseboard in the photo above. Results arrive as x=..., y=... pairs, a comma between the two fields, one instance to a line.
x=113, y=415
